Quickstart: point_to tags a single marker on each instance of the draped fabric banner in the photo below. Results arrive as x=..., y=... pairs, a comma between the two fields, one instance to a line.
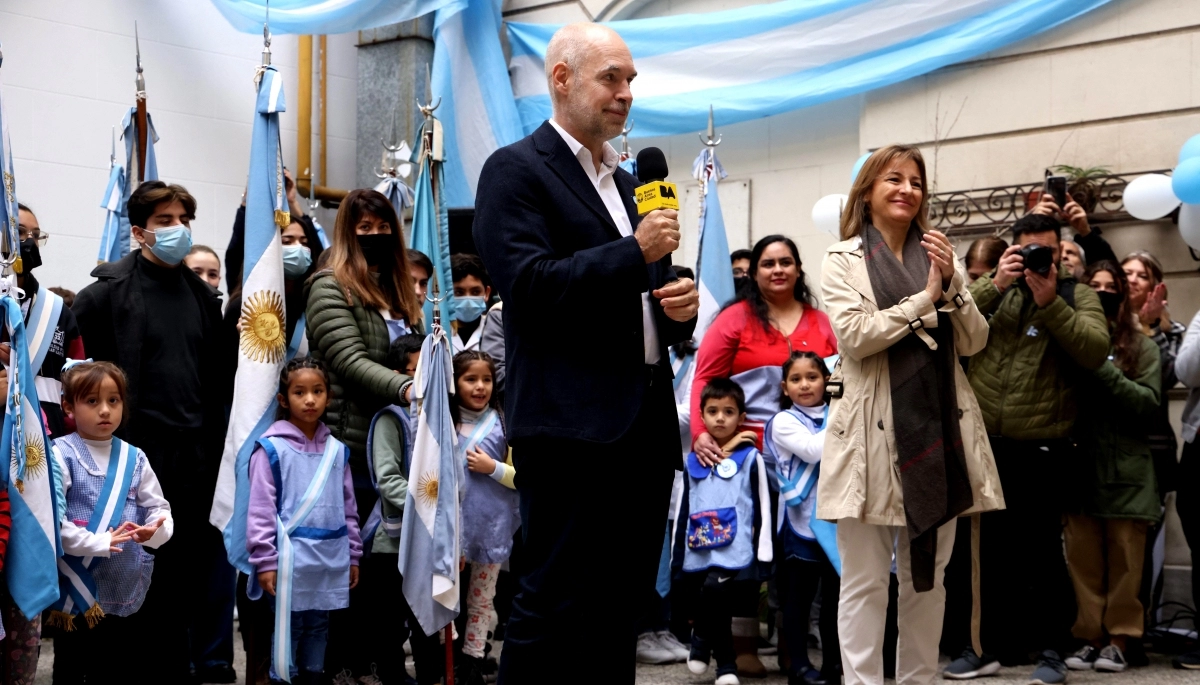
x=768, y=59
x=326, y=16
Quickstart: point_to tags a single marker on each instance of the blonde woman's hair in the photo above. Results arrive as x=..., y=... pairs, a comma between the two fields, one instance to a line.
x=858, y=213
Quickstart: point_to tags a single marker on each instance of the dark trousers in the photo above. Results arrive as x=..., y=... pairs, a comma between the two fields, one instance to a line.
x=1028, y=603
x=392, y=627
x=348, y=627
x=798, y=581
x=592, y=517
x=257, y=622
x=1187, y=504
x=91, y=655
x=719, y=594
x=179, y=610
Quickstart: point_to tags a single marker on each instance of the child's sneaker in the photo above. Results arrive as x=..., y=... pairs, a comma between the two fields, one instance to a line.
x=728, y=679
x=699, y=656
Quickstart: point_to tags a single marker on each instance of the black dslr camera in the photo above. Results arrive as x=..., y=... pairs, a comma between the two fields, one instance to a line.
x=1038, y=259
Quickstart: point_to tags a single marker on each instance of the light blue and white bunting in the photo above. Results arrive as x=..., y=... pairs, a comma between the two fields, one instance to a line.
x=431, y=229
x=478, y=111
x=761, y=60
x=263, y=348
x=714, y=278
x=429, y=541
x=34, y=544
x=326, y=16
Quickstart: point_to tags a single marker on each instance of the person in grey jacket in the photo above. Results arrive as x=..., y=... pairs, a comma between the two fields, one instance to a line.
x=1187, y=502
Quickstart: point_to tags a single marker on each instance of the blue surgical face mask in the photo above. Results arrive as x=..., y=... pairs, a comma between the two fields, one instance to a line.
x=296, y=260
x=172, y=243
x=469, y=308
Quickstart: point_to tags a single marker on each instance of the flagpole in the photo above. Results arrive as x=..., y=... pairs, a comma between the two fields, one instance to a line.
x=140, y=96
x=710, y=143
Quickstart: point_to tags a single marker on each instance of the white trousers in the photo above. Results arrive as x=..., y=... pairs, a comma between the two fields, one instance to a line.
x=862, y=612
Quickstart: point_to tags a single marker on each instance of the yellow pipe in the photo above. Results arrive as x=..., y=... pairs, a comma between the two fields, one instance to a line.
x=304, y=112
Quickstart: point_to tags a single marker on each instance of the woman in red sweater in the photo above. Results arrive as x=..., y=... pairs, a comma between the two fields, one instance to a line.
x=754, y=335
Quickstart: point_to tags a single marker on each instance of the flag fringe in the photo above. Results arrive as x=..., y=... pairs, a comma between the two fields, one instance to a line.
x=66, y=622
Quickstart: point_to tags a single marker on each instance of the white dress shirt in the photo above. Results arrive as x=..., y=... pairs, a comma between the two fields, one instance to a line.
x=606, y=186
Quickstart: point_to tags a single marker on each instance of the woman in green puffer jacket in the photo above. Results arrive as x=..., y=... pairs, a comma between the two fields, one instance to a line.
x=362, y=291
x=1116, y=494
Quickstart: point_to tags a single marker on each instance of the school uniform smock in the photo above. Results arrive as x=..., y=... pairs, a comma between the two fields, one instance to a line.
x=121, y=579
x=490, y=513
x=324, y=592
x=797, y=443
x=737, y=346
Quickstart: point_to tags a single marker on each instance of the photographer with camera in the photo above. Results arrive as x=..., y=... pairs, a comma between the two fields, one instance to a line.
x=1045, y=326
x=1090, y=247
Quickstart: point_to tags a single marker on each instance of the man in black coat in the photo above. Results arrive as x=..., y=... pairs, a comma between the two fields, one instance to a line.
x=589, y=311
x=160, y=323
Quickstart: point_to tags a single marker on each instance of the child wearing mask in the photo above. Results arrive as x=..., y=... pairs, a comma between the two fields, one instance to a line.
x=472, y=292
x=727, y=526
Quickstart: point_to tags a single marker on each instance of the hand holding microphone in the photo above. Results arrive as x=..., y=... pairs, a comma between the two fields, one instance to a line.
x=658, y=233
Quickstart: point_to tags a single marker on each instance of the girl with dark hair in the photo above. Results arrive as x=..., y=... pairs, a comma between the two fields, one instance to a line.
x=1116, y=494
x=489, y=506
x=363, y=300
x=299, y=480
x=769, y=319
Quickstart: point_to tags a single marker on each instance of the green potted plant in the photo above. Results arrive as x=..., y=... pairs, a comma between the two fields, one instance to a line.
x=1082, y=183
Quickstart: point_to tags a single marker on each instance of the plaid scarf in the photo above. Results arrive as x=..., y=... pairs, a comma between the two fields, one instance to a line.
x=929, y=449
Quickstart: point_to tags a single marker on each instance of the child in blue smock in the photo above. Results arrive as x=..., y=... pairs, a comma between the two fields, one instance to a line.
x=727, y=526
x=796, y=437
x=302, y=523
x=490, y=514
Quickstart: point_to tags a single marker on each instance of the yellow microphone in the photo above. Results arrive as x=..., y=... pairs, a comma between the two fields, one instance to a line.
x=654, y=193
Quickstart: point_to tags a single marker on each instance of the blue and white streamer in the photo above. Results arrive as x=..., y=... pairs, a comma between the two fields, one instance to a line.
x=757, y=61
x=263, y=348
x=324, y=16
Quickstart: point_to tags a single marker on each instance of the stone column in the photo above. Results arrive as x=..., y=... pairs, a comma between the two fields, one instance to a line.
x=391, y=75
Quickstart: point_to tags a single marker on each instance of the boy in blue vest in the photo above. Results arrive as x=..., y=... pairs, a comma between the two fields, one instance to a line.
x=727, y=527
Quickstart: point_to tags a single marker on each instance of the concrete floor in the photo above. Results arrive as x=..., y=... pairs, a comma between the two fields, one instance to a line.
x=1158, y=673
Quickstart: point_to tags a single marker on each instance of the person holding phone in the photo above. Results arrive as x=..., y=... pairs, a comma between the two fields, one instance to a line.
x=1093, y=247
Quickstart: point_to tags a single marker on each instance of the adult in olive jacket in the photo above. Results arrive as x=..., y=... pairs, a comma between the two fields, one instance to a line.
x=1046, y=330
x=363, y=291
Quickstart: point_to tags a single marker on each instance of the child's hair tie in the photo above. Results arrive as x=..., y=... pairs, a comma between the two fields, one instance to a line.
x=75, y=362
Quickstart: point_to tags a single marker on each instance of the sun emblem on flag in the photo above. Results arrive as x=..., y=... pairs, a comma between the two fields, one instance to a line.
x=262, y=325
x=35, y=456
x=427, y=488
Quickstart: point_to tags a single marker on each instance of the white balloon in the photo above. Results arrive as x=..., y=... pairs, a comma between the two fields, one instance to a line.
x=1189, y=225
x=1150, y=197
x=827, y=213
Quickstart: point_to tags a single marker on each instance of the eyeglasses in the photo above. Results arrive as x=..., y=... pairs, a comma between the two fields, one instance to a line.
x=37, y=234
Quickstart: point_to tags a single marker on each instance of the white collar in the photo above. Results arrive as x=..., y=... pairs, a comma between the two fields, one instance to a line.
x=608, y=162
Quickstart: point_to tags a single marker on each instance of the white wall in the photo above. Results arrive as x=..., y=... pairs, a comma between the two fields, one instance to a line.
x=68, y=77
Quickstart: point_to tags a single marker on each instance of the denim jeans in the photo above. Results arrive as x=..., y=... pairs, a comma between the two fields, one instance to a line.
x=310, y=632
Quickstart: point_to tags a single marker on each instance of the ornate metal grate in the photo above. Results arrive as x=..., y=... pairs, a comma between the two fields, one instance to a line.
x=984, y=211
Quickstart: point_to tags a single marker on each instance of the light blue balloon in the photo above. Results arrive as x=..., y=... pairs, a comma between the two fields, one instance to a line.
x=1186, y=180
x=858, y=167
x=1191, y=148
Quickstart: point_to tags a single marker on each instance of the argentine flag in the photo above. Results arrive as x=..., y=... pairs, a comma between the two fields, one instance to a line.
x=713, y=274
x=429, y=548
x=431, y=230
x=114, y=242
x=110, y=240
x=263, y=348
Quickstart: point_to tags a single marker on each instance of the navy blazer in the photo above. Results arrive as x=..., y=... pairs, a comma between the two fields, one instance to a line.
x=571, y=286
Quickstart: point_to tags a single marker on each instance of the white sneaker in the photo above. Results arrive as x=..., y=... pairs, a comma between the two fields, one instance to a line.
x=697, y=666
x=650, y=651
x=672, y=644
x=727, y=679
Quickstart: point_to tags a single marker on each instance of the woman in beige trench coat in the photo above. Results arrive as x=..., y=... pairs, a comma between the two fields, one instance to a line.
x=893, y=289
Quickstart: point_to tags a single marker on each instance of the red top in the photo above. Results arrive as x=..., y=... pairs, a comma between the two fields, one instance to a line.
x=736, y=342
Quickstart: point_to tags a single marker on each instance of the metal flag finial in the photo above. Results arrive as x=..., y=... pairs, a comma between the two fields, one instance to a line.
x=713, y=139
x=266, y=53
x=140, y=80
x=427, y=108
x=625, y=138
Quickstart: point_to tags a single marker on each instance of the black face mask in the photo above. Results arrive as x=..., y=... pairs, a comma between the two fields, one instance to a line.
x=1111, y=303
x=378, y=248
x=31, y=255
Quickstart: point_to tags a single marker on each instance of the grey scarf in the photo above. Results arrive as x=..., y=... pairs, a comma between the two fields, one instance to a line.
x=929, y=449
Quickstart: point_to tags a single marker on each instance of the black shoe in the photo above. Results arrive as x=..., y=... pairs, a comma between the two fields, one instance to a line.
x=470, y=671
x=1190, y=660
x=220, y=673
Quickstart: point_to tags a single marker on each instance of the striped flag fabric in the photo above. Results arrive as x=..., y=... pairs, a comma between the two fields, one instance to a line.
x=431, y=228
x=714, y=276
x=114, y=243
x=263, y=349
x=429, y=542
x=110, y=240
x=756, y=61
